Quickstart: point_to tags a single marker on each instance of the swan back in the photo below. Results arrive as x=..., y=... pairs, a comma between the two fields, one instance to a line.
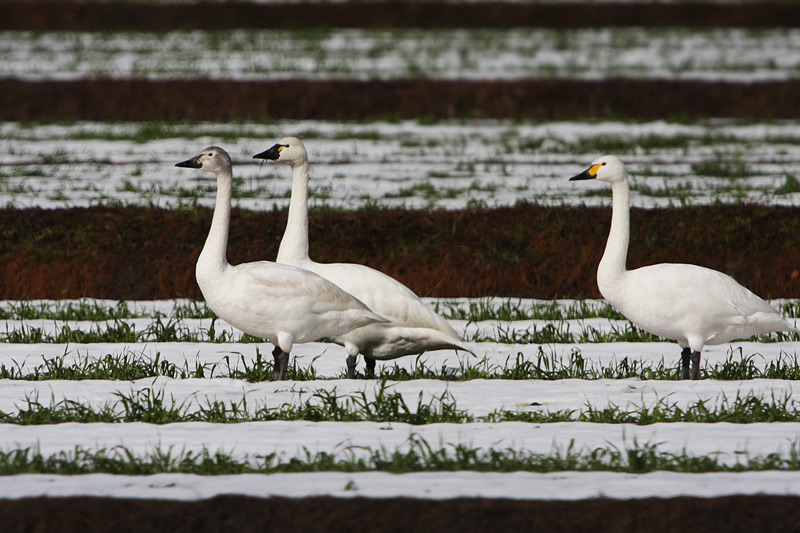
x=693, y=305
x=264, y=298
x=412, y=328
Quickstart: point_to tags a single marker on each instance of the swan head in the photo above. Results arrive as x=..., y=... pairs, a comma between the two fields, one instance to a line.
x=212, y=159
x=607, y=168
x=289, y=150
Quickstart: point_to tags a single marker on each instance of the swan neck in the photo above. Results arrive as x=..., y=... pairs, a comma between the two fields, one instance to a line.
x=294, y=245
x=214, y=254
x=612, y=265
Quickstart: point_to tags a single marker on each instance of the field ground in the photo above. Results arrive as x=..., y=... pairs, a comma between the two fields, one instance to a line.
x=88, y=252
x=444, y=426
x=140, y=415
x=150, y=16
x=85, y=515
x=531, y=99
x=730, y=54
x=422, y=164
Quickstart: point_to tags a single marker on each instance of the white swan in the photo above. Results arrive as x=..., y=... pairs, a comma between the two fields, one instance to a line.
x=280, y=303
x=413, y=327
x=688, y=303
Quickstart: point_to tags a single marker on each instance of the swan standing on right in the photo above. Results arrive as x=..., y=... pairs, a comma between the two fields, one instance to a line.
x=413, y=327
x=688, y=303
x=280, y=303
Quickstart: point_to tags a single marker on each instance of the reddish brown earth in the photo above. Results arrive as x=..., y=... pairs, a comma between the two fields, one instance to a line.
x=234, y=513
x=143, y=100
x=94, y=16
x=523, y=251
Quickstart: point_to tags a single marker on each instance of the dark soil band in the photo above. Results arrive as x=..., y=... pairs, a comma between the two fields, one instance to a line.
x=331, y=515
x=206, y=100
x=94, y=16
x=525, y=251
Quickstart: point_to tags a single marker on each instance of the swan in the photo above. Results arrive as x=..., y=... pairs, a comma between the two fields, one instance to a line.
x=280, y=303
x=412, y=328
x=691, y=304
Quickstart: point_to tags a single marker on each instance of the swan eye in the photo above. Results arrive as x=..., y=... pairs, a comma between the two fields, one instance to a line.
x=604, y=163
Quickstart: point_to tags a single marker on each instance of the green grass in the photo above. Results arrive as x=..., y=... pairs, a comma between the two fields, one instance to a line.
x=242, y=188
x=127, y=366
x=549, y=366
x=682, y=192
x=509, y=310
x=747, y=409
x=89, y=309
x=722, y=167
x=119, y=331
x=83, y=310
x=790, y=185
x=539, y=366
x=559, y=333
x=625, y=145
x=418, y=456
x=151, y=406
x=130, y=366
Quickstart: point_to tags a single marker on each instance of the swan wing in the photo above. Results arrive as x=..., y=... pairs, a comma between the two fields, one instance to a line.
x=273, y=281
x=714, y=286
x=294, y=300
x=680, y=300
x=383, y=294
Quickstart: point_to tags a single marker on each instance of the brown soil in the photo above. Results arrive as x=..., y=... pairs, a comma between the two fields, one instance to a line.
x=91, y=16
x=524, y=251
x=143, y=100
x=242, y=514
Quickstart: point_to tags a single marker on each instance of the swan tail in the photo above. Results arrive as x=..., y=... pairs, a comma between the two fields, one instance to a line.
x=446, y=341
x=464, y=347
x=773, y=322
x=368, y=317
x=394, y=342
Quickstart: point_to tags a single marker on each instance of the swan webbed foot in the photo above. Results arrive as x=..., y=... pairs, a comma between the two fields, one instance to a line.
x=351, y=366
x=685, y=355
x=281, y=364
x=695, y=365
x=370, y=362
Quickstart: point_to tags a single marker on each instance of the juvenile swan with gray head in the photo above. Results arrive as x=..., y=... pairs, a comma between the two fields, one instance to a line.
x=412, y=328
x=688, y=303
x=280, y=303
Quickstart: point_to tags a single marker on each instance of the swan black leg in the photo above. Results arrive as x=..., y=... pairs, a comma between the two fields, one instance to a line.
x=695, y=365
x=284, y=365
x=685, y=354
x=281, y=364
x=370, y=362
x=351, y=366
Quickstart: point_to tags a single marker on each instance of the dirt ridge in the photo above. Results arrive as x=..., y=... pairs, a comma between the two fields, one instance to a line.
x=731, y=514
x=119, y=16
x=173, y=100
x=523, y=251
